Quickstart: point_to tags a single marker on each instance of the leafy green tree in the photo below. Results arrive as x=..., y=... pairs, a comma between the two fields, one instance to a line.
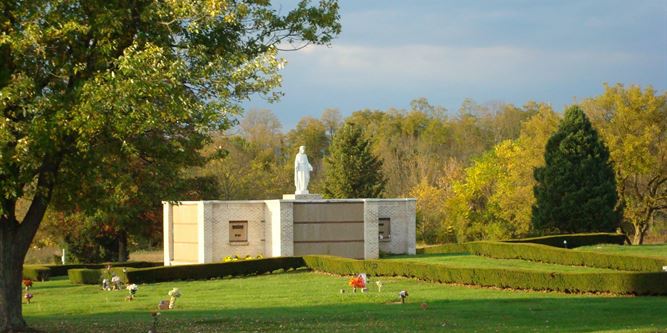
x=494, y=199
x=634, y=125
x=576, y=189
x=89, y=87
x=352, y=171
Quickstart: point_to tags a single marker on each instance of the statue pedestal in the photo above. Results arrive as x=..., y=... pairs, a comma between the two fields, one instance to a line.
x=302, y=197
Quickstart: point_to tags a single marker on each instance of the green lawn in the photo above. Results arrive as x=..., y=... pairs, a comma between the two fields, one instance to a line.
x=311, y=302
x=466, y=260
x=653, y=250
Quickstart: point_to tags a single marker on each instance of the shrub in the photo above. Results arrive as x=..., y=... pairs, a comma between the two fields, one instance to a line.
x=61, y=270
x=443, y=248
x=36, y=273
x=574, y=240
x=84, y=276
x=548, y=254
x=614, y=282
x=95, y=275
x=214, y=270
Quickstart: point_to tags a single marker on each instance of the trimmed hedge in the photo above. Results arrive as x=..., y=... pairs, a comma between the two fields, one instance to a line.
x=84, y=276
x=443, y=248
x=61, y=270
x=95, y=276
x=36, y=273
x=552, y=255
x=574, y=240
x=215, y=270
x=614, y=282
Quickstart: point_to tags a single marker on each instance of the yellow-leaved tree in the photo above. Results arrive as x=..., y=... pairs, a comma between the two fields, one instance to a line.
x=633, y=123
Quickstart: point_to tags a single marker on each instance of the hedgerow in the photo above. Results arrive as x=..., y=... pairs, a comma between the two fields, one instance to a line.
x=639, y=283
x=61, y=270
x=214, y=270
x=574, y=240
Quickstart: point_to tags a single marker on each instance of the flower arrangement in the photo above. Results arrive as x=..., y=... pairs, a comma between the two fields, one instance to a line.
x=116, y=282
x=230, y=258
x=357, y=282
x=133, y=290
x=173, y=294
x=27, y=283
x=28, y=297
x=236, y=258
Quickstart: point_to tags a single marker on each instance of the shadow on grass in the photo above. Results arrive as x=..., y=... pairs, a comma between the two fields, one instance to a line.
x=575, y=314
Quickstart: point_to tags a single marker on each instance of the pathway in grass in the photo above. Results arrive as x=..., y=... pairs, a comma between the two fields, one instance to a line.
x=312, y=302
x=652, y=250
x=472, y=261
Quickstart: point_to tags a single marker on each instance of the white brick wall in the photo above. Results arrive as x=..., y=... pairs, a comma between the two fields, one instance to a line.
x=402, y=215
x=371, y=210
x=223, y=212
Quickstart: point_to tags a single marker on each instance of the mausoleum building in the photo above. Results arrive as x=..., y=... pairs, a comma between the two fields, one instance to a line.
x=299, y=224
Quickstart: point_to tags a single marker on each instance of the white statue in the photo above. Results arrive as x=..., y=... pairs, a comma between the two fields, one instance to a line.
x=302, y=169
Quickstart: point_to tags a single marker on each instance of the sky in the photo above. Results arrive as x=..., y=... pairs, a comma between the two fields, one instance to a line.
x=391, y=52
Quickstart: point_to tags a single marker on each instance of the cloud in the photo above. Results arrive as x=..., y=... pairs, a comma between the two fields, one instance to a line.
x=382, y=65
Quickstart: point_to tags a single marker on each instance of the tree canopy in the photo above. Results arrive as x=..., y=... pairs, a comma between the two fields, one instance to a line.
x=633, y=122
x=92, y=89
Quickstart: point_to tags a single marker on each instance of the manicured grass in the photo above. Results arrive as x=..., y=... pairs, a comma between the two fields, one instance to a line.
x=473, y=261
x=311, y=302
x=653, y=250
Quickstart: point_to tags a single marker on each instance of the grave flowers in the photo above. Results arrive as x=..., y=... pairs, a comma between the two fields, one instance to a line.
x=27, y=283
x=173, y=294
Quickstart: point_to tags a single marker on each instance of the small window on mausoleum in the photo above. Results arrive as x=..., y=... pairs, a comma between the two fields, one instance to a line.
x=384, y=229
x=238, y=231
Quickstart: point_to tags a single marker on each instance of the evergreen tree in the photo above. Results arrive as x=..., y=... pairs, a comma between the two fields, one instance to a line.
x=352, y=171
x=576, y=189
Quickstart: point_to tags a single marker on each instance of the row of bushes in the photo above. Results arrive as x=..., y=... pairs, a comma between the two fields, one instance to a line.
x=640, y=283
x=615, y=282
x=43, y=272
x=215, y=270
x=189, y=272
x=552, y=255
x=574, y=240
x=444, y=248
x=95, y=275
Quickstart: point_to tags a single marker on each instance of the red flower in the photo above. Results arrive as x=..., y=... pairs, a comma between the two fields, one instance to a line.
x=357, y=282
x=27, y=283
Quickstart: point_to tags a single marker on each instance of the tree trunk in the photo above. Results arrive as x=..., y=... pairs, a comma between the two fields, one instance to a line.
x=11, y=263
x=640, y=232
x=122, y=247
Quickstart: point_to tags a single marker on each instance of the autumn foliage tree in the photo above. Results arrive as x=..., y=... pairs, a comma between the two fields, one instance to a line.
x=633, y=122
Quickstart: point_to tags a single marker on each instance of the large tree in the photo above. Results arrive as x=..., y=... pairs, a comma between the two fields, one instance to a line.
x=633, y=122
x=576, y=190
x=92, y=83
x=351, y=169
x=494, y=199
